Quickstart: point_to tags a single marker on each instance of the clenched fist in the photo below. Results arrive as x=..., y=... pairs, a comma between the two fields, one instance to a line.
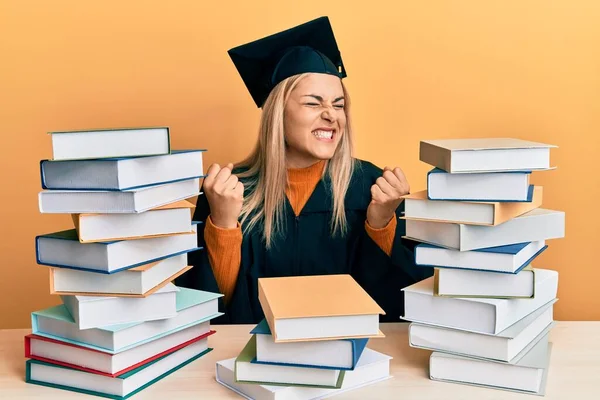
x=386, y=196
x=225, y=195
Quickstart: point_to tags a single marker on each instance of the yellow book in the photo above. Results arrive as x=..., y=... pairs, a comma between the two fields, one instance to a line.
x=319, y=307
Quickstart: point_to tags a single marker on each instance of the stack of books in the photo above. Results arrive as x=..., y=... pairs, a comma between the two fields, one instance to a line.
x=312, y=342
x=486, y=313
x=122, y=324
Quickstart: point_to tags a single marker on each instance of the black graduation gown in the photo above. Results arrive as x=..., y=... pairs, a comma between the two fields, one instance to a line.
x=307, y=248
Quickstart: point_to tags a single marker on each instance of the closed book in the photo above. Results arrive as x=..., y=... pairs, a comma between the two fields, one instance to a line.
x=77, y=357
x=485, y=186
x=535, y=225
x=63, y=249
x=173, y=218
x=319, y=307
x=481, y=315
x=140, y=281
x=418, y=207
x=485, y=155
x=115, y=202
x=465, y=283
x=267, y=374
x=95, y=311
x=372, y=367
x=194, y=307
x=505, y=346
x=526, y=375
x=118, y=388
x=336, y=354
x=121, y=173
x=104, y=143
x=504, y=259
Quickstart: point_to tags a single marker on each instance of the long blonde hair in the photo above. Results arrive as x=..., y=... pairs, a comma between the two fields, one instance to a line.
x=266, y=174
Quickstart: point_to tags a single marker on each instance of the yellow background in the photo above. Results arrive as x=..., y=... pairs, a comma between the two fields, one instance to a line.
x=416, y=70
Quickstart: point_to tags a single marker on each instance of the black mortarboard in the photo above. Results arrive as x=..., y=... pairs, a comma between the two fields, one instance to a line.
x=309, y=47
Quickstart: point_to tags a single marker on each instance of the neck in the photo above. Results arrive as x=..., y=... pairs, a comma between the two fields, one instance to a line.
x=310, y=173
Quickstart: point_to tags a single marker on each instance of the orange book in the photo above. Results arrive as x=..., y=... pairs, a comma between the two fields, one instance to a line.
x=320, y=307
x=418, y=207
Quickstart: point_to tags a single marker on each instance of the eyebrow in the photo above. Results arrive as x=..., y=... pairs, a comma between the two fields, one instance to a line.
x=321, y=99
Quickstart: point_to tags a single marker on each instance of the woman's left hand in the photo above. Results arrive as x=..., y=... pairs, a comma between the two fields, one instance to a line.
x=386, y=196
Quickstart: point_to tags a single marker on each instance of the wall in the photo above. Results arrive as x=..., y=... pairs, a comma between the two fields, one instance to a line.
x=416, y=70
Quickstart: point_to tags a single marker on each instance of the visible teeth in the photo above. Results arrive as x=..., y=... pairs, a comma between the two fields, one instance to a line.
x=323, y=134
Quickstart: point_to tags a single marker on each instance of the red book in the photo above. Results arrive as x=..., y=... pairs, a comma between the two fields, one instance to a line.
x=104, y=363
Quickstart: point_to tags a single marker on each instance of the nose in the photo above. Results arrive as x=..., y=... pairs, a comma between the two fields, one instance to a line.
x=328, y=115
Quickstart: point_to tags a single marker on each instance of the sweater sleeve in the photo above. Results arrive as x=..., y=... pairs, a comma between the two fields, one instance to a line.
x=383, y=237
x=224, y=254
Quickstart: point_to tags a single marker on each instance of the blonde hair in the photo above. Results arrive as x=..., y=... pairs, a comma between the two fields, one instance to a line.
x=266, y=174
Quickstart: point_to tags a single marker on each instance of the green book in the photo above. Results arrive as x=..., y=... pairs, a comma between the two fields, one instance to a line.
x=118, y=388
x=247, y=370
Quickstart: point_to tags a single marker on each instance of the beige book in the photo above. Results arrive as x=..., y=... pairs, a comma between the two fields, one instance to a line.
x=319, y=307
x=419, y=207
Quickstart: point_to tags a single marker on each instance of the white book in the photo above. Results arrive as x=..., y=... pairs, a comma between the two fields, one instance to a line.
x=481, y=315
x=492, y=186
x=121, y=173
x=104, y=143
x=535, y=225
x=372, y=367
x=527, y=375
x=166, y=220
x=95, y=311
x=63, y=249
x=485, y=154
x=139, y=281
x=504, y=346
x=126, y=201
x=71, y=379
x=193, y=307
x=467, y=283
x=44, y=349
x=504, y=259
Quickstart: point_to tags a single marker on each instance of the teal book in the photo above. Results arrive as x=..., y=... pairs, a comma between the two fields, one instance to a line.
x=120, y=387
x=193, y=307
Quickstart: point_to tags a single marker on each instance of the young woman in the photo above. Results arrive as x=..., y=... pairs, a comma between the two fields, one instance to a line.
x=300, y=204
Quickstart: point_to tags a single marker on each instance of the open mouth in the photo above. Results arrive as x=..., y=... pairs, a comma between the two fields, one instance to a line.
x=324, y=133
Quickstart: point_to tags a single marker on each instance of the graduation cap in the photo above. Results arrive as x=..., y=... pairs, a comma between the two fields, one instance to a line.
x=309, y=47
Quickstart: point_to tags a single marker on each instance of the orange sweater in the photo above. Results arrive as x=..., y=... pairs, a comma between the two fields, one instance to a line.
x=224, y=245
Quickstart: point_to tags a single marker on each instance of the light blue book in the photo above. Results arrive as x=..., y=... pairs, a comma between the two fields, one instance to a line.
x=63, y=249
x=511, y=186
x=193, y=307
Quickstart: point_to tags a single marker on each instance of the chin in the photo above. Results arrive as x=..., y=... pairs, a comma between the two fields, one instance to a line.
x=323, y=155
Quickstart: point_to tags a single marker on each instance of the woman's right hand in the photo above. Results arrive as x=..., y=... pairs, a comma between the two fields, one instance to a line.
x=225, y=195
